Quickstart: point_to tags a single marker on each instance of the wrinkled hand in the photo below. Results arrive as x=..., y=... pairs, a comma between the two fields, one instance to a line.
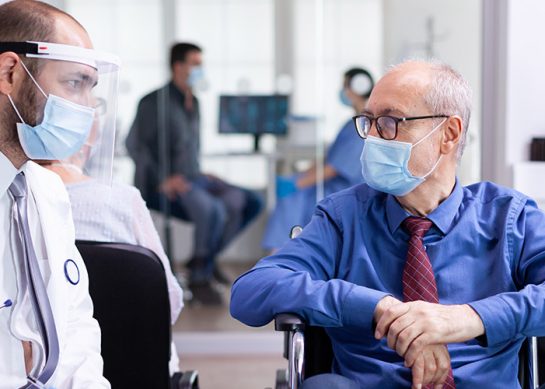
x=431, y=367
x=175, y=185
x=410, y=327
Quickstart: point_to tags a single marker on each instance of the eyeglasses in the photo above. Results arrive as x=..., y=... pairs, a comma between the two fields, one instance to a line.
x=386, y=125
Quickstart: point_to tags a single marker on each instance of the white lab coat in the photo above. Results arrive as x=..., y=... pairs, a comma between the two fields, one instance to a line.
x=80, y=363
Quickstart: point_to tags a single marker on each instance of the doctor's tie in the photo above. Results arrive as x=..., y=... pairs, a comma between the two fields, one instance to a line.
x=37, y=290
x=418, y=278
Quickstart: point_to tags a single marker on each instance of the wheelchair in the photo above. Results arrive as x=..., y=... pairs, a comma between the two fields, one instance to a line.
x=309, y=352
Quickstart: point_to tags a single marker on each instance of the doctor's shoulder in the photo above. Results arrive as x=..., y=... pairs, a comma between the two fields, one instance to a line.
x=46, y=183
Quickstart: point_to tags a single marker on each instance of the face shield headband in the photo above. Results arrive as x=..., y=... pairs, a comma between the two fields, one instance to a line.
x=96, y=59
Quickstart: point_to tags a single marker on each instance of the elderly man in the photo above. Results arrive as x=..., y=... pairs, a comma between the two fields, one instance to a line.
x=416, y=278
x=48, y=74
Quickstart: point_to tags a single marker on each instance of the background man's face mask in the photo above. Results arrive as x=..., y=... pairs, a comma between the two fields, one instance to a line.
x=62, y=132
x=385, y=165
x=196, y=75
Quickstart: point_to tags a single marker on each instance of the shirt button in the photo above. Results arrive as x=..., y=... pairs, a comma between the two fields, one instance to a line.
x=425, y=247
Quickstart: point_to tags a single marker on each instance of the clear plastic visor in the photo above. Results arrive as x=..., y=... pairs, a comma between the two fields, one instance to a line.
x=66, y=93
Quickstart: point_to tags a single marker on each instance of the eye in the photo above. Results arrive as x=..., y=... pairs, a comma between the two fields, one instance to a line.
x=75, y=84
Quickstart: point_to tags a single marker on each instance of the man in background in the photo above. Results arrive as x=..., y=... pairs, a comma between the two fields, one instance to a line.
x=164, y=142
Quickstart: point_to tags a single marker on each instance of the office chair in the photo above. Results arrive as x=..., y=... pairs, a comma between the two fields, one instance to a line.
x=128, y=286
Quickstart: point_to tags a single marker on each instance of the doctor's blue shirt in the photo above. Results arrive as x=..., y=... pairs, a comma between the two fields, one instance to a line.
x=487, y=249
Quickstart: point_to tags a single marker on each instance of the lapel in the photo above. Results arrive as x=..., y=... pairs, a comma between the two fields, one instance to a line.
x=56, y=222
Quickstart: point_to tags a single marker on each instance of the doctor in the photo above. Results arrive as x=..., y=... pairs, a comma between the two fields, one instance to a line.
x=297, y=194
x=48, y=336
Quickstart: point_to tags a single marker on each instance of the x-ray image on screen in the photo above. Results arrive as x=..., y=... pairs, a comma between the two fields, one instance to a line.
x=263, y=114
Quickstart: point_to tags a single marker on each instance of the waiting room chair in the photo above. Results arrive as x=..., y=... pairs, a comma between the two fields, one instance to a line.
x=128, y=286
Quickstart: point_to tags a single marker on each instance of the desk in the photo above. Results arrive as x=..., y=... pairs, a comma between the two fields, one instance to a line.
x=224, y=163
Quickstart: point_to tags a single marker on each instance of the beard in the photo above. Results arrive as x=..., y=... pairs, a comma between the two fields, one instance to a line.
x=27, y=103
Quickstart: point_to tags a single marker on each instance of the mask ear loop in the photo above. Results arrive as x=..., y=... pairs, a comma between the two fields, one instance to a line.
x=440, y=156
x=33, y=79
x=16, y=110
x=431, y=132
x=35, y=83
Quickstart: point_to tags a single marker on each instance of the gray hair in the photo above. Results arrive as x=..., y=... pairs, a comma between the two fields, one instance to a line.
x=449, y=94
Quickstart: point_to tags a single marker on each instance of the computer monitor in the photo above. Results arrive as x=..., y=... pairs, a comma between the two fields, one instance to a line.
x=253, y=114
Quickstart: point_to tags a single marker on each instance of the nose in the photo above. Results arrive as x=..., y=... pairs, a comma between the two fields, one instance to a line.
x=373, y=129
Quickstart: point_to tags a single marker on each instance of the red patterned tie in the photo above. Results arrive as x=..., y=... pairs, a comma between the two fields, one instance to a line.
x=418, y=279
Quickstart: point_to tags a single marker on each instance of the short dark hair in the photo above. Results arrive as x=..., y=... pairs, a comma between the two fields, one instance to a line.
x=179, y=51
x=352, y=72
x=29, y=20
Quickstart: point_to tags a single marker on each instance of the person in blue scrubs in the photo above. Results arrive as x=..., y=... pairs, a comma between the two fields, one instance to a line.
x=296, y=195
x=344, y=272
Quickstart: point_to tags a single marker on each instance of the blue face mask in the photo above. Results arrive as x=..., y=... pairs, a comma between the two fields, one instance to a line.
x=196, y=74
x=385, y=165
x=344, y=98
x=62, y=132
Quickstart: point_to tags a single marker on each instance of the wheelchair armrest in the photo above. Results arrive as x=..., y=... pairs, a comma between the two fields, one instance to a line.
x=288, y=322
x=187, y=380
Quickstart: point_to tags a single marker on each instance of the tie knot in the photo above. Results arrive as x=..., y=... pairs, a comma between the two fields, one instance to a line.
x=18, y=186
x=417, y=226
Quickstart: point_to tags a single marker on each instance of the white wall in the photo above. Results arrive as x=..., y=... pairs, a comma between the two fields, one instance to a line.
x=457, y=41
x=513, y=85
x=351, y=36
x=525, y=59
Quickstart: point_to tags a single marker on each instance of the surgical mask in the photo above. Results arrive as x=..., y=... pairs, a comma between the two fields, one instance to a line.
x=344, y=98
x=385, y=165
x=62, y=132
x=196, y=74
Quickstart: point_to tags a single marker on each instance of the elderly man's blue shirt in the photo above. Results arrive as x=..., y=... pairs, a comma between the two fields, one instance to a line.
x=487, y=249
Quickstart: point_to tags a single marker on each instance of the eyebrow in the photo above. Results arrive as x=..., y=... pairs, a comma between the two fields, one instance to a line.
x=387, y=111
x=85, y=77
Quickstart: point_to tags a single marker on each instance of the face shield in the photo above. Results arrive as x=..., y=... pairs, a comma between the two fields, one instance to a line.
x=67, y=106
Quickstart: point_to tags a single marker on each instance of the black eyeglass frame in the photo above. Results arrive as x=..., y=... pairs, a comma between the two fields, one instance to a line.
x=372, y=120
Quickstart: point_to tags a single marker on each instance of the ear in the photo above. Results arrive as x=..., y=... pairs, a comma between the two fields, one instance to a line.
x=8, y=62
x=452, y=134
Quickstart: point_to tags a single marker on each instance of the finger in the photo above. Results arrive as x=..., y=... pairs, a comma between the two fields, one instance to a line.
x=430, y=367
x=406, y=337
x=396, y=328
x=388, y=317
x=416, y=348
x=443, y=366
x=418, y=373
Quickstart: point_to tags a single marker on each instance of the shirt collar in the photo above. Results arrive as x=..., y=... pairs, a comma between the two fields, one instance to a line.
x=7, y=173
x=442, y=216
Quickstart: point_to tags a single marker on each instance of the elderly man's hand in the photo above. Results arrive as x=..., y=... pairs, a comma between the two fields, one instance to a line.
x=431, y=367
x=410, y=327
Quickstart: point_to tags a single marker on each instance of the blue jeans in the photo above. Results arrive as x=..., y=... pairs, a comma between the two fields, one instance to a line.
x=219, y=212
